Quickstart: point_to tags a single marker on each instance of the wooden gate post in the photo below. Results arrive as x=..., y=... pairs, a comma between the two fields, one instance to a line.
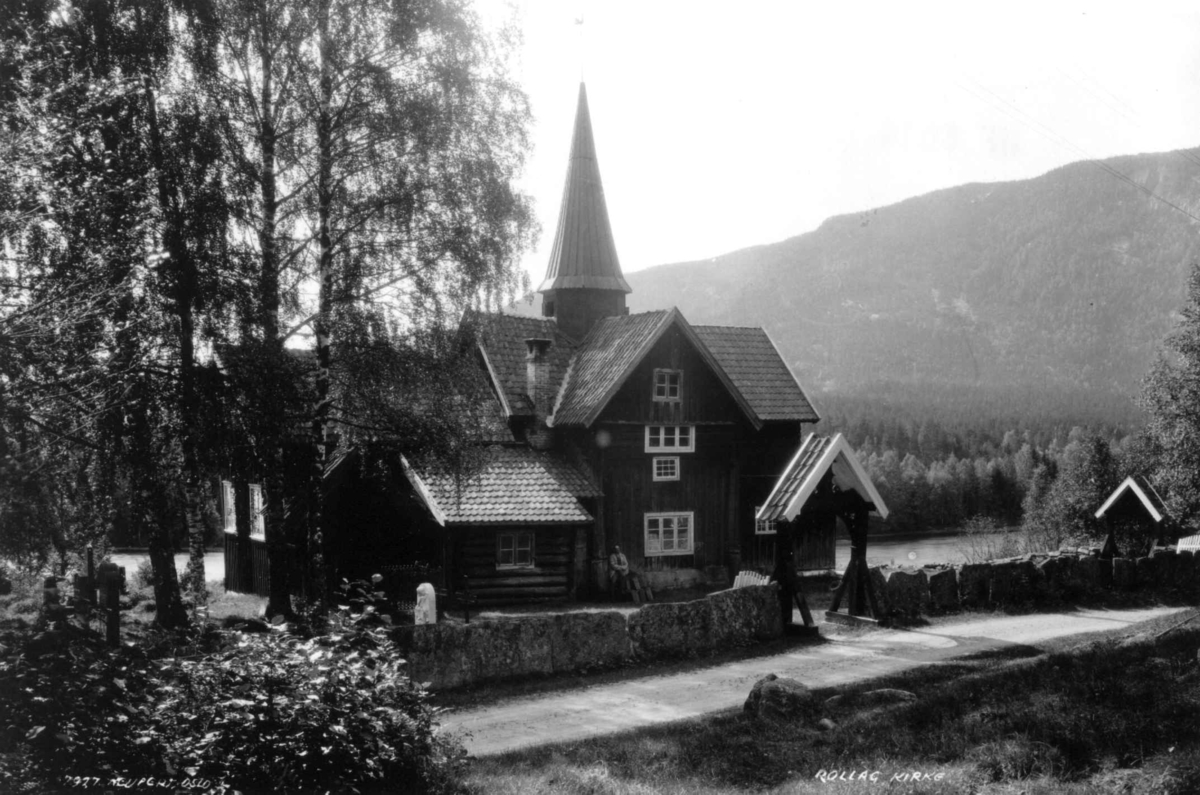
x=856, y=583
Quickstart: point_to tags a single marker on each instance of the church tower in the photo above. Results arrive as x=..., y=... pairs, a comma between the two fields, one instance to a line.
x=583, y=280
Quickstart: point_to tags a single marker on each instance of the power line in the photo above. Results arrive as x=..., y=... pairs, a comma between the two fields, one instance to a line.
x=1056, y=137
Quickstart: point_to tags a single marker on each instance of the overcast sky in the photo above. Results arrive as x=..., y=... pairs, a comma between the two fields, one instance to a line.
x=725, y=125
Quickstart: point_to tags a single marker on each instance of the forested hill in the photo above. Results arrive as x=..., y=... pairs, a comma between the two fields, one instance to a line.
x=1064, y=283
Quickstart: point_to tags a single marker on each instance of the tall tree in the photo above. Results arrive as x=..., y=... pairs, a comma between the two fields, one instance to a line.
x=1171, y=397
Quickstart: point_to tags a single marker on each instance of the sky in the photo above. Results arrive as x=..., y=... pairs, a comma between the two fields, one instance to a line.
x=720, y=126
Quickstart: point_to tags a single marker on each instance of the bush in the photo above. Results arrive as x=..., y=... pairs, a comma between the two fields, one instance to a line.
x=259, y=712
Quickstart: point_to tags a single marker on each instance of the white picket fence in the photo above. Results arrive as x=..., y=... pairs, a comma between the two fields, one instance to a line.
x=747, y=578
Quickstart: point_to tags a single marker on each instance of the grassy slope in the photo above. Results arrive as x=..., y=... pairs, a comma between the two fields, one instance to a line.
x=1117, y=714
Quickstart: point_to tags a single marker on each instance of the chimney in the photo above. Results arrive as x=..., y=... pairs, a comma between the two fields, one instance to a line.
x=537, y=386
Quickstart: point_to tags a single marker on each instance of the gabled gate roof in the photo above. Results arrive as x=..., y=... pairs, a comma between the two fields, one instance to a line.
x=816, y=456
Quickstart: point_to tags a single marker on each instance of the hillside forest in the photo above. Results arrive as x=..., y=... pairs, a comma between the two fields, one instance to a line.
x=993, y=458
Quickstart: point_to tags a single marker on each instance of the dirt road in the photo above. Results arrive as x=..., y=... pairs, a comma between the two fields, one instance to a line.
x=846, y=656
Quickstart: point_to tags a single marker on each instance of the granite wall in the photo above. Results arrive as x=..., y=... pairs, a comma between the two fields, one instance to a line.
x=451, y=655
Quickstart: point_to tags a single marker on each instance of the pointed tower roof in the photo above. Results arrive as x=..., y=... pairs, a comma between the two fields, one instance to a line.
x=584, y=254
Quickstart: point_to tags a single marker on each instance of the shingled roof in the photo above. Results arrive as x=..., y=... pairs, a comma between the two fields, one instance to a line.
x=603, y=362
x=584, y=254
x=502, y=343
x=759, y=372
x=516, y=485
x=816, y=456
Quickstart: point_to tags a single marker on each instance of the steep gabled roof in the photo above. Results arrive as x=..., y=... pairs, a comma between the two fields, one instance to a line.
x=501, y=340
x=758, y=371
x=608, y=355
x=1143, y=491
x=584, y=254
x=515, y=485
x=816, y=456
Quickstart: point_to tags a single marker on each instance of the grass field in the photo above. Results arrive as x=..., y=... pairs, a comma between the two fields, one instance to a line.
x=1115, y=715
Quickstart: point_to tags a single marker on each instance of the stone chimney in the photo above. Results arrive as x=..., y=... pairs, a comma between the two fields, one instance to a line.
x=539, y=389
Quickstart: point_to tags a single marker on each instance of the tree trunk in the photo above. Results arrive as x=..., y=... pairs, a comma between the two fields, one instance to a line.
x=186, y=289
x=315, y=589
x=279, y=597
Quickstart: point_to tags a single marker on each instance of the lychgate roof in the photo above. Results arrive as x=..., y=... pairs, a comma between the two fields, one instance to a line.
x=816, y=456
x=1140, y=489
x=584, y=254
x=515, y=485
x=759, y=372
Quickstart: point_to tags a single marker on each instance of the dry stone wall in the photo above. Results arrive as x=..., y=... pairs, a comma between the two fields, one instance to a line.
x=1031, y=580
x=451, y=655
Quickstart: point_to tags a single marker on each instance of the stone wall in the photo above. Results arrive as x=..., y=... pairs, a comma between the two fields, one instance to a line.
x=451, y=655
x=1031, y=581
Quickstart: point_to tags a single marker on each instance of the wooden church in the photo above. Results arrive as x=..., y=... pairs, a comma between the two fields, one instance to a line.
x=635, y=430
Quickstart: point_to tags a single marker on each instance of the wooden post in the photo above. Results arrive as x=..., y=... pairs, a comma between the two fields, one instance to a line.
x=112, y=633
x=856, y=583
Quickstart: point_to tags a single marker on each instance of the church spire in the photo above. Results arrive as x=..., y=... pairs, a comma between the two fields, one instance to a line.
x=583, y=279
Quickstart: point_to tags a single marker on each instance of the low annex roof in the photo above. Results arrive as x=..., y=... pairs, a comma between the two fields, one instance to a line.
x=515, y=485
x=816, y=456
x=754, y=365
x=1143, y=491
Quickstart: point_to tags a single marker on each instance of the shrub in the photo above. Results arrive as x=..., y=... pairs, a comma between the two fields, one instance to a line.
x=259, y=712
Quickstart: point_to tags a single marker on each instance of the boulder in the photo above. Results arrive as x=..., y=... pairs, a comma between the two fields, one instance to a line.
x=907, y=592
x=1185, y=570
x=1026, y=582
x=974, y=584
x=1003, y=576
x=1147, y=572
x=943, y=590
x=1167, y=563
x=1124, y=573
x=826, y=725
x=878, y=577
x=781, y=699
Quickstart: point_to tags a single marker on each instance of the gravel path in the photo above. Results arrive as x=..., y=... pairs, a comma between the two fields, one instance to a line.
x=846, y=656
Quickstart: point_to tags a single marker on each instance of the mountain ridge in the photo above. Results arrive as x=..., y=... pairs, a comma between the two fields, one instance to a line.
x=1068, y=280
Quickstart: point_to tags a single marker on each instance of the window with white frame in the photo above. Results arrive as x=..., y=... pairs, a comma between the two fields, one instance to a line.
x=514, y=550
x=666, y=467
x=228, y=510
x=763, y=527
x=668, y=385
x=676, y=438
x=668, y=534
x=258, y=521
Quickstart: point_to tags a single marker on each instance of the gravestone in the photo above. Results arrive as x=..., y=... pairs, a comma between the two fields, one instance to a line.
x=426, y=609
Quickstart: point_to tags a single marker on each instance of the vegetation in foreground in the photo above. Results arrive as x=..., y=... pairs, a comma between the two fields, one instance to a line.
x=1117, y=715
x=254, y=709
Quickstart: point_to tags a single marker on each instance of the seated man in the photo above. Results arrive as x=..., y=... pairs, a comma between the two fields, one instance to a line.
x=618, y=571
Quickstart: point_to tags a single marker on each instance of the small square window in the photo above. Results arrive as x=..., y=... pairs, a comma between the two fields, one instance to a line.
x=763, y=527
x=666, y=467
x=514, y=551
x=668, y=385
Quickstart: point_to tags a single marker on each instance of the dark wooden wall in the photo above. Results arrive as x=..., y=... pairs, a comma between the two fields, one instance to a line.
x=550, y=578
x=728, y=449
x=254, y=578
